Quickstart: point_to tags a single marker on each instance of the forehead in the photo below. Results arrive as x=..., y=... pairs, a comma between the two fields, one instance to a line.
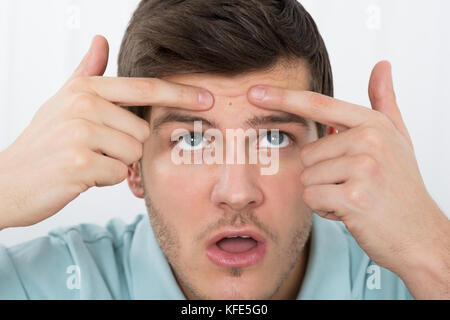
x=230, y=93
x=292, y=76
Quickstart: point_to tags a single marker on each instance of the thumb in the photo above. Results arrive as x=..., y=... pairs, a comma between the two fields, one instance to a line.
x=382, y=96
x=95, y=61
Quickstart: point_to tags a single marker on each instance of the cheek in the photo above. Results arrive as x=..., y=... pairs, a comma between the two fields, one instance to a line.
x=283, y=195
x=179, y=191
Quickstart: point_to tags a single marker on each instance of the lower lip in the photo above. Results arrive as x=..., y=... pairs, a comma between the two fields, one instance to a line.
x=242, y=259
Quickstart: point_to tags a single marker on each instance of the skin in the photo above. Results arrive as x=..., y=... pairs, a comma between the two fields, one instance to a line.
x=188, y=204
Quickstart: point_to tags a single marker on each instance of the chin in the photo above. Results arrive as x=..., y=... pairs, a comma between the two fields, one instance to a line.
x=237, y=285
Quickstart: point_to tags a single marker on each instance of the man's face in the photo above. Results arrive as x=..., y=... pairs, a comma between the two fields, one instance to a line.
x=192, y=206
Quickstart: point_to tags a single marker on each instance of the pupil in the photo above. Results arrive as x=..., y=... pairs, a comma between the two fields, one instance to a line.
x=193, y=139
x=275, y=137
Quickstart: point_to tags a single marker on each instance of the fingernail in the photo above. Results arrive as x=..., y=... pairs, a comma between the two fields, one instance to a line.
x=258, y=93
x=205, y=98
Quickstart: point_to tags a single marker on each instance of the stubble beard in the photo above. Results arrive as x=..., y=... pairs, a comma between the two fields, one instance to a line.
x=170, y=245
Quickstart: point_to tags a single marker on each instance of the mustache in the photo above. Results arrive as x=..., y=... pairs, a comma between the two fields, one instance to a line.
x=240, y=219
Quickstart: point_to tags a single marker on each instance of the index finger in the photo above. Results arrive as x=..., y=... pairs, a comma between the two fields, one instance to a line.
x=315, y=106
x=146, y=92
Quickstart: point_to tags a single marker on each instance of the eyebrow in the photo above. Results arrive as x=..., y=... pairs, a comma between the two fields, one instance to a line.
x=282, y=117
x=174, y=116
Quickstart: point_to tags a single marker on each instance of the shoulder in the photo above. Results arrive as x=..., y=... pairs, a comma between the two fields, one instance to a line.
x=116, y=233
x=81, y=261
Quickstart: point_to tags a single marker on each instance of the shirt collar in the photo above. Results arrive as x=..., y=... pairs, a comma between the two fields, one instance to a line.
x=327, y=273
x=151, y=275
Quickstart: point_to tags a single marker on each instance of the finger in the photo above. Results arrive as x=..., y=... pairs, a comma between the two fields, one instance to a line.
x=382, y=96
x=324, y=199
x=98, y=110
x=330, y=171
x=95, y=61
x=147, y=92
x=340, y=170
x=317, y=107
x=363, y=140
x=329, y=147
x=110, y=142
x=103, y=171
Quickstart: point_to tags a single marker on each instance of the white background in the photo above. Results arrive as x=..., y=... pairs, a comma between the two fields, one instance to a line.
x=43, y=41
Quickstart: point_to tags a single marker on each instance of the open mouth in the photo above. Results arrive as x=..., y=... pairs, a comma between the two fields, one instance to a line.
x=237, y=244
x=236, y=248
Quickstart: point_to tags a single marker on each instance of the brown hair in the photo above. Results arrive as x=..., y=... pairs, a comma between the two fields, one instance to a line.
x=226, y=37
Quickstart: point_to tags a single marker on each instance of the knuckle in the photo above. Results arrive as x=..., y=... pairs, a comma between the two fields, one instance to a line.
x=79, y=130
x=371, y=138
x=386, y=124
x=144, y=86
x=303, y=178
x=138, y=151
x=356, y=196
x=317, y=100
x=82, y=103
x=122, y=172
x=76, y=84
x=186, y=95
x=283, y=97
x=381, y=118
x=307, y=196
x=145, y=131
x=81, y=159
x=366, y=164
x=304, y=153
x=182, y=93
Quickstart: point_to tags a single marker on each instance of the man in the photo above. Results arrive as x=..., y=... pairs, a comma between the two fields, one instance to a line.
x=345, y=216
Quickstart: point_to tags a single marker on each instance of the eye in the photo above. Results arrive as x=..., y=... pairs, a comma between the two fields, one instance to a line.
x=274, y=139
x=192, y=141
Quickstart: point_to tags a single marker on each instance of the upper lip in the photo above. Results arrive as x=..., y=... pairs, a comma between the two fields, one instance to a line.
x=230, y=232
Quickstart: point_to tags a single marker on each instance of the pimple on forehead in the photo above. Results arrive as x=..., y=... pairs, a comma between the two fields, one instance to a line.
x=229, y=100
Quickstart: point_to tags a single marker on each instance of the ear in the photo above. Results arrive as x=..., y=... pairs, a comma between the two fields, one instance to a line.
x=135, y=181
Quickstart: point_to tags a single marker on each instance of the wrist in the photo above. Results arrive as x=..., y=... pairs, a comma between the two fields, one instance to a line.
x=429, y=280
x=3, y=180
x=426, y=269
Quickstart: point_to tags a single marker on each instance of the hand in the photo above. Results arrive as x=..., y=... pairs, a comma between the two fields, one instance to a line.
x=81, y=138
x=367, y=177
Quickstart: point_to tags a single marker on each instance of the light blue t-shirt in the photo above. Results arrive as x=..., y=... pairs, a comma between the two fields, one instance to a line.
x=123, y=261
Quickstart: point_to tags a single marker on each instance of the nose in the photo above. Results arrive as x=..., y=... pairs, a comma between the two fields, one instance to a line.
x=236, y=189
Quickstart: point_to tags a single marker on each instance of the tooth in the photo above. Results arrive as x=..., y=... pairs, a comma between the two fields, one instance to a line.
x=232, y=237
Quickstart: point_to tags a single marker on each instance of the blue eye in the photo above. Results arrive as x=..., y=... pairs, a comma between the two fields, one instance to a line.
x=274, y=139
x=192, y=141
